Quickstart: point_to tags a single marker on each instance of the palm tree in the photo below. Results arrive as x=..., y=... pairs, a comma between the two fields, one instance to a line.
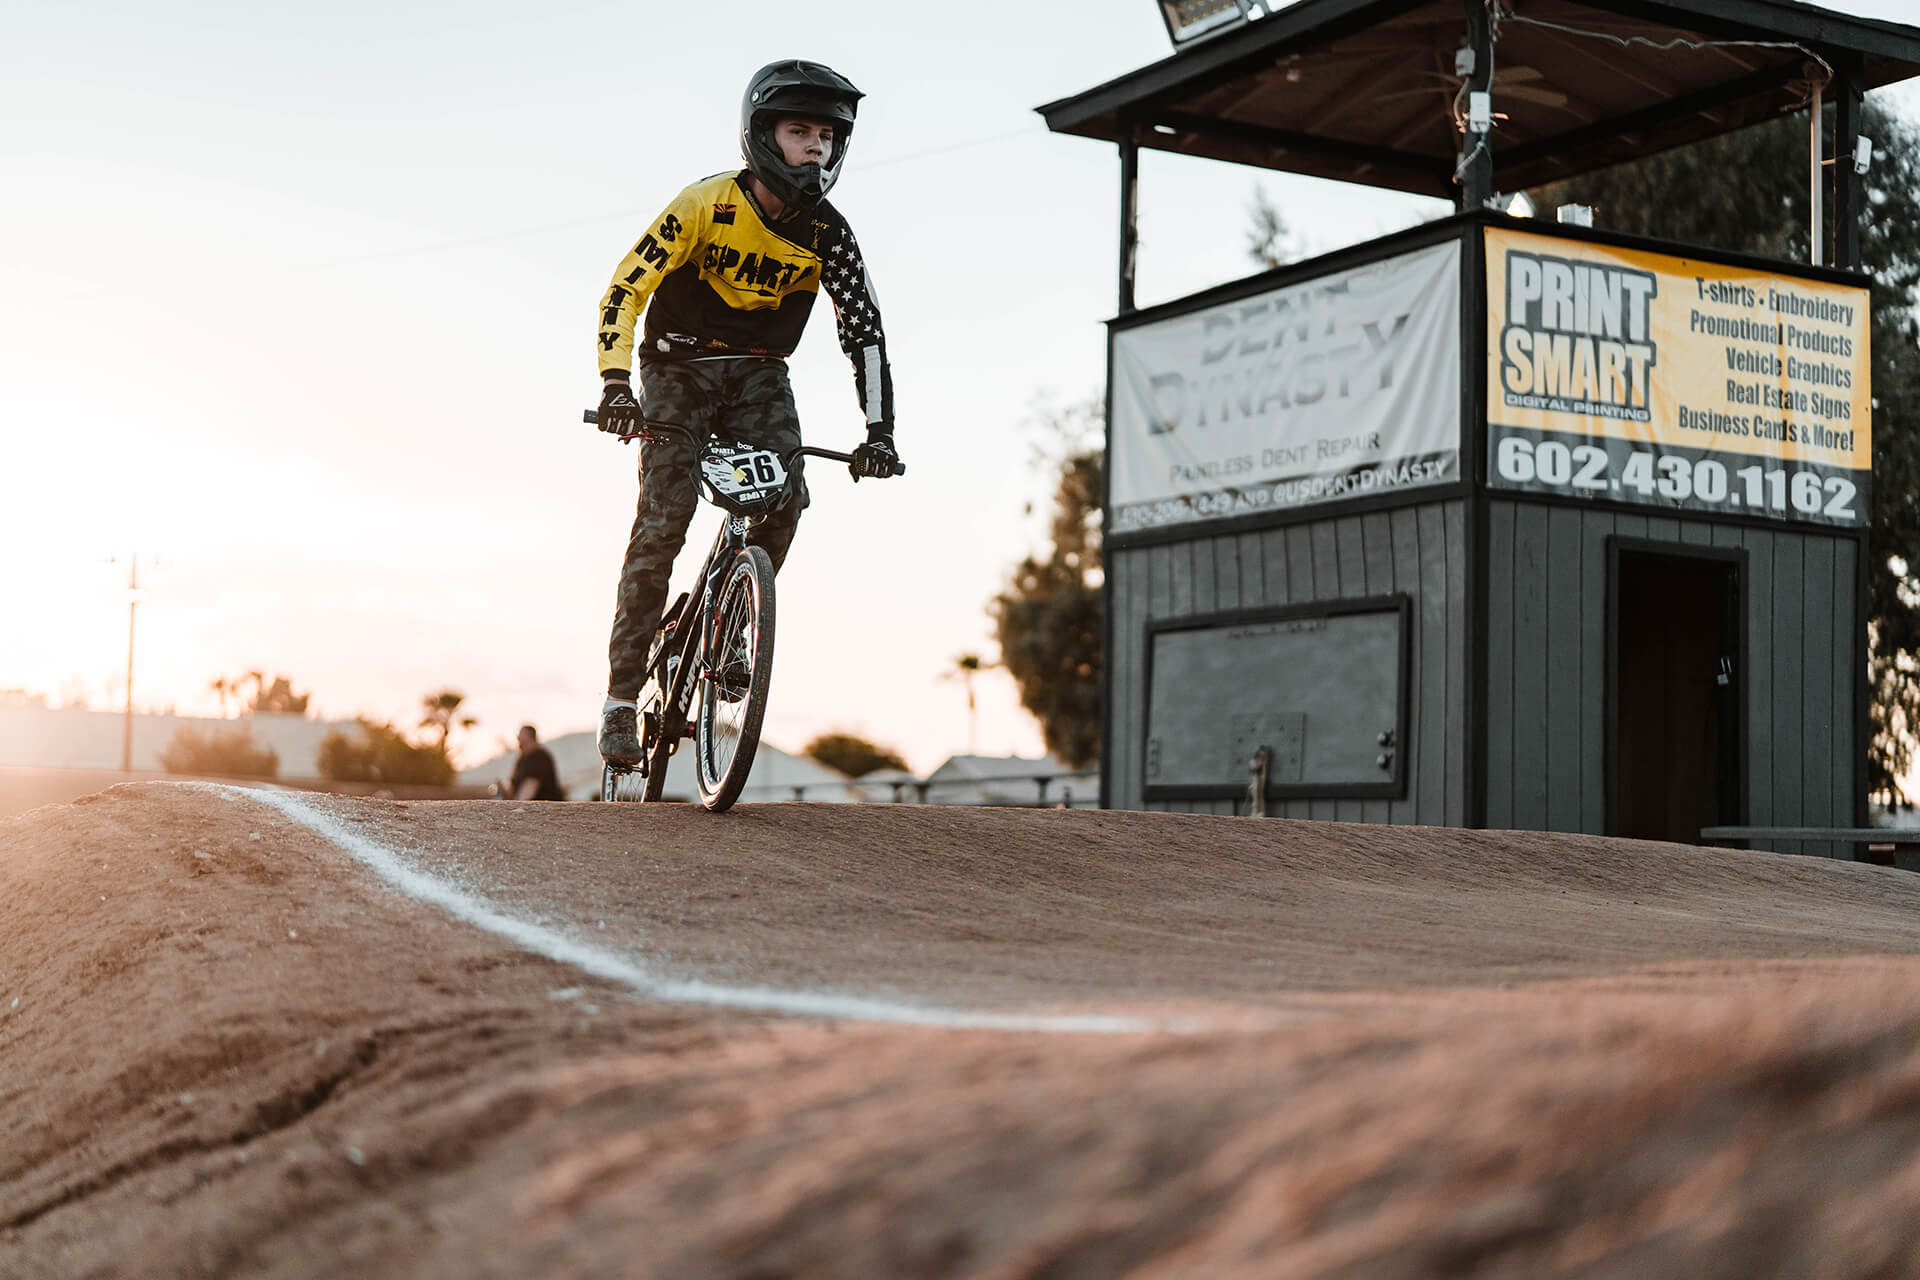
x=441, y=714
x=965, y=668
x=223, y=688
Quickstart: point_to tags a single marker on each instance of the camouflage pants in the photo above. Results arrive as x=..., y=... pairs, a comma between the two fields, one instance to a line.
x=747, y=400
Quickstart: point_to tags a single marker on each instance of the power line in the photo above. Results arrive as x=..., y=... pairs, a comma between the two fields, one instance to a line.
x=1503, y=12
x=629, y=216
x=927, y=152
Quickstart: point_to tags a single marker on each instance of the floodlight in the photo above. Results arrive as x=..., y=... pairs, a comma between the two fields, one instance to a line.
x=1189, y=20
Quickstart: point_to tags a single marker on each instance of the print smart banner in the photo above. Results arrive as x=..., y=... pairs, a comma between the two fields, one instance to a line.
x=1664, y=381
x=1342, y=387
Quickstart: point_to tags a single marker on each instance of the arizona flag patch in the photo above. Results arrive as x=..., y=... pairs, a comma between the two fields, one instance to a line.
x=723, y=213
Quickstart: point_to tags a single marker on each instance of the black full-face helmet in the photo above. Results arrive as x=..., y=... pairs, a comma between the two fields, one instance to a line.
x=810, y=90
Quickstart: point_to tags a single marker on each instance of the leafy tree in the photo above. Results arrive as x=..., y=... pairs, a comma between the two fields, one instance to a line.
x=232, y=755
x=1270, y=241
x=378, y=752
x=1048, y=619
x=277, y=698
x=852, y=754
x=442, y=714
x=1748, y=191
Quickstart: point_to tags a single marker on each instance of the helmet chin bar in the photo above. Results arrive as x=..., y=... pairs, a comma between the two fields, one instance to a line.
x=798, y=186
x=810, y=182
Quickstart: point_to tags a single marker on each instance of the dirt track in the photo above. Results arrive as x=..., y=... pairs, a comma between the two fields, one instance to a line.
x=1364, y=1052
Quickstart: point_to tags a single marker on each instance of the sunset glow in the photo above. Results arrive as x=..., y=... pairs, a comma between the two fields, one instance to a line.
x=315, y=346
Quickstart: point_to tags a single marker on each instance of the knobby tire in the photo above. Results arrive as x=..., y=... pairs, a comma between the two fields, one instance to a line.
x=744, y=638
x=657, y=757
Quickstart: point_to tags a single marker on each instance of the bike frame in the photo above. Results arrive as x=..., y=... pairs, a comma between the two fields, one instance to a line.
x=693, y=645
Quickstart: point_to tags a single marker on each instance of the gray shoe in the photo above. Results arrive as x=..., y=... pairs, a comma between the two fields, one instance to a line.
x=620, y=736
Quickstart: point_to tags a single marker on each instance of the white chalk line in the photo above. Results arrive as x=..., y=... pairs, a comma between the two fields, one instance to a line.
x=391, y=867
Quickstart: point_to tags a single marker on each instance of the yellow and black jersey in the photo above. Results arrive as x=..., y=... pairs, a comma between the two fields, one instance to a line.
x=725, y=281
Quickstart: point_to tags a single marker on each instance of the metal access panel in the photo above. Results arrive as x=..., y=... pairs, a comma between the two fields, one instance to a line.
x=1323, y=687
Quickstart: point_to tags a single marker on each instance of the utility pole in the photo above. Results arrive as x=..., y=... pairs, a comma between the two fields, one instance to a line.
x=133, y=602
x=1474, y=62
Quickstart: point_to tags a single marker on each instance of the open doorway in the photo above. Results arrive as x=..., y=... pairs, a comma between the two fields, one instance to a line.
x=1676, y=744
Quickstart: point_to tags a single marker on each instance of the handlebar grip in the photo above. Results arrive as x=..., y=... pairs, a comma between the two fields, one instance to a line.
x=899, y=468
x=591, y=415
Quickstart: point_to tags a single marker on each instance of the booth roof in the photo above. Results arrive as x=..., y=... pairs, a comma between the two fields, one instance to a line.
x=1364, y=90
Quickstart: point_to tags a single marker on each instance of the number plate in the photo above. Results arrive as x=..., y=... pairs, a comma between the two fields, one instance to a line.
x=743, y=473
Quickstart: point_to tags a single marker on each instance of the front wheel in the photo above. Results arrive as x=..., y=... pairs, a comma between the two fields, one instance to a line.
x=733, y=683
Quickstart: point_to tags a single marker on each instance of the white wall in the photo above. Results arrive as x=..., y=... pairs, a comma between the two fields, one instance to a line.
x=74, y=738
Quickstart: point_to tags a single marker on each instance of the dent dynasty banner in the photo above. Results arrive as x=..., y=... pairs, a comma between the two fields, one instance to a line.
x=1341, y=387
x=1644, y=378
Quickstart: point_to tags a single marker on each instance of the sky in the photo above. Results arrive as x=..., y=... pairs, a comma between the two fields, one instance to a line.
x=299, y=309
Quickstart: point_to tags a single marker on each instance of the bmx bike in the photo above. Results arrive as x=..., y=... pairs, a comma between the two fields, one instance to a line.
x=716, y=651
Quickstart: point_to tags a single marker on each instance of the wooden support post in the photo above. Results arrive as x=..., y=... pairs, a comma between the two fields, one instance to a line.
x=1849, y=186
x=1816, y=181
x=1129, y=212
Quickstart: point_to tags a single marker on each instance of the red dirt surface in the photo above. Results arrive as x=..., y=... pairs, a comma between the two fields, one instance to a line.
x=1375, y=1052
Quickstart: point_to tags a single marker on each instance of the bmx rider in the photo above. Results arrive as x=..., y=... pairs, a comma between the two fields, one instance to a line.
x=730, y=271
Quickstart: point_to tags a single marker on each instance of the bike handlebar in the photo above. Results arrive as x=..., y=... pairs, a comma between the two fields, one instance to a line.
x=593, y=416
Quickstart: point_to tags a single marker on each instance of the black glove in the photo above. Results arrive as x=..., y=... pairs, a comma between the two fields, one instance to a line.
x=619, y=409
x=876, y=457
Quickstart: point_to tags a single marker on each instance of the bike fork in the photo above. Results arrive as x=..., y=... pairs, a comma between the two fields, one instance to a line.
x=731, y=542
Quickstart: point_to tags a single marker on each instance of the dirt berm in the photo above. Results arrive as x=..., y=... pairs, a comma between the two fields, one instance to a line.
x=1092, y=1045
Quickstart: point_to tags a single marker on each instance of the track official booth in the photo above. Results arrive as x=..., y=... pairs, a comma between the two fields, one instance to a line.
x=1497, y=521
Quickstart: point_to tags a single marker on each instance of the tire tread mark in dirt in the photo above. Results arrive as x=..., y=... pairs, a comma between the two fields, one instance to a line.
x=1753, y=1124
x=269, y=1116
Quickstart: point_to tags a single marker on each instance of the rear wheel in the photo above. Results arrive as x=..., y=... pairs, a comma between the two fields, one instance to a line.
x=619, y=783
x=655, y=742
x=733, y=685
x=659, y=749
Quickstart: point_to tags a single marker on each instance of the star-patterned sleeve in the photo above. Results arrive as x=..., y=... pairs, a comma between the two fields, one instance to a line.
x=844, y=273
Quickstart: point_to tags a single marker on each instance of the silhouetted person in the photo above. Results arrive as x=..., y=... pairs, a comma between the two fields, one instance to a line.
x=534, y=777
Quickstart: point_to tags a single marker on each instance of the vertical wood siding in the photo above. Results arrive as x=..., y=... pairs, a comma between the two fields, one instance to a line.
x=1418, y=550
x=1546, y=697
